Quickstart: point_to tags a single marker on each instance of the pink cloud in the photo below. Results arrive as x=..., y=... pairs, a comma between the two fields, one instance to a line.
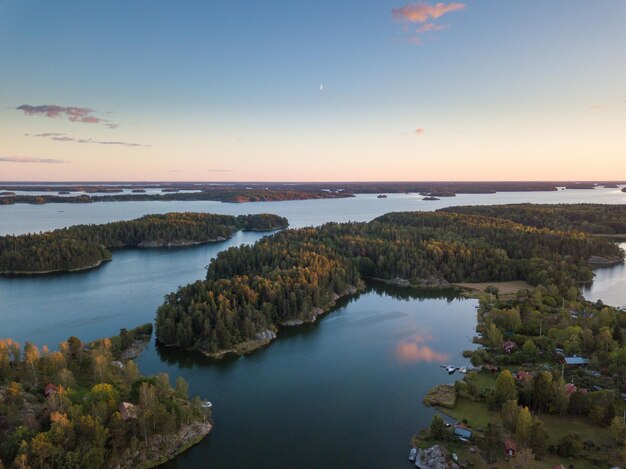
x=429, y=27
x=420, y=12
x=416, y=350
x=419, y=131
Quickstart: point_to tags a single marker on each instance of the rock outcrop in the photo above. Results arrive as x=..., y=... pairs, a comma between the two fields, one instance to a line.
x=161, y=449
x=435, y=457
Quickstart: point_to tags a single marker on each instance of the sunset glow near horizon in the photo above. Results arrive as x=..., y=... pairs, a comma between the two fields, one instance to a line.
x=312, y=91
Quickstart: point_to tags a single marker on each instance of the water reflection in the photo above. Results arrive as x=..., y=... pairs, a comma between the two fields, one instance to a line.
x=416, y=349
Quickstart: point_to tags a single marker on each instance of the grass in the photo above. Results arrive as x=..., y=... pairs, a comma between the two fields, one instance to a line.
x=478, y=417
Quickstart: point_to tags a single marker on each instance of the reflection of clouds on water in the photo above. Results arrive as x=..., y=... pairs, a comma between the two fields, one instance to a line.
x=415, y=349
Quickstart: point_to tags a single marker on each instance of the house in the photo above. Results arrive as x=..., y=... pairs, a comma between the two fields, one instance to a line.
x=490, y=367
x=524, y=376
x=462, y=431
x=509, y=446
x=127, y=411
x=575, y=361
x=509, y=346
x=570, y=388
x=50, y=390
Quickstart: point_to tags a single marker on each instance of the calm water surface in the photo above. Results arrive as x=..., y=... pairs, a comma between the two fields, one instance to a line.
x=344, y=392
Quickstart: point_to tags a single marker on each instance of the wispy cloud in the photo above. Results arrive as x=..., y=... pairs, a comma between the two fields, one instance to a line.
x=29, y=159
x=72, y=113
x=429, y=27
x=105, y=142
x=419, y=131
x=220, y=170
x=597, y=107
x=415, y=350
x=66, y=138
x=422, y=12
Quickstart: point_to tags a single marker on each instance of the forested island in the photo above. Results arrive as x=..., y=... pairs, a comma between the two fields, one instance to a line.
x=239, y=192
x=232, y=195
x=296, y=275
x=591, y=218
x=85, y=246
x=87, y=406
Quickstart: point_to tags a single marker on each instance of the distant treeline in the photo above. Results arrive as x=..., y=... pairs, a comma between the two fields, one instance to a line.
x=84, y=246
x=287, y=278
x=590, y=218
x=219, y=195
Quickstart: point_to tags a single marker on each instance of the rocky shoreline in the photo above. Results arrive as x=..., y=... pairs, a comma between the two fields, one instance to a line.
x=264, y=338
x=55, y=271
x=160, y=449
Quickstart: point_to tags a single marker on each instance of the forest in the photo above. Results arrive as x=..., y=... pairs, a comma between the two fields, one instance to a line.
x=87, y=406
x=233, y=195
x=84, y=246
x=292, y=276
x=591, y=218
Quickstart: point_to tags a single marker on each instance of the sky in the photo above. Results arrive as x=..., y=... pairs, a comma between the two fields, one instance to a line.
x=312, y=90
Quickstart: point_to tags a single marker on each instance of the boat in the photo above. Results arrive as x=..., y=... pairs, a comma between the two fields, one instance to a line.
x=206, y=405
x=412, y=454
x=450, y=369
x=463, y=370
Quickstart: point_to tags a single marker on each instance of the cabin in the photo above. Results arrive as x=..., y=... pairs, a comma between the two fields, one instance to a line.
x=50, y=390
x=570, y=388
x=509, y=346
x=462, y=431
x=575, y=361
x=127, y=410
x=509, y=446
x=524, y=376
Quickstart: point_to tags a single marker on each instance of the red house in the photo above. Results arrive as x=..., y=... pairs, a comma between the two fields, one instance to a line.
x=509, y=446
x=50, y=390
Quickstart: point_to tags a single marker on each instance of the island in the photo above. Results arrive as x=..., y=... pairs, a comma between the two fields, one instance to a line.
x=87, y=246
x=430, y=198
x=86, y=405
x=292, y=277
x=597, y=219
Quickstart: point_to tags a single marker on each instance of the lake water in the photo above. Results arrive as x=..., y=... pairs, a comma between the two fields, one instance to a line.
x=344, y=392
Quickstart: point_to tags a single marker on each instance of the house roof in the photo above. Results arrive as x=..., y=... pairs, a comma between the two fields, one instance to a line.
x=464, y=432
x=570, y=388
x=575, y=360
x=509, y=444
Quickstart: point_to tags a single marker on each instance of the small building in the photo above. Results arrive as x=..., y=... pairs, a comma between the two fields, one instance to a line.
x=127, y=411
x=570, y=388
x=524, y=376
x=509, y=446
x=509, y=346
x=575, y=361
x=50, y=390
x=462, y=431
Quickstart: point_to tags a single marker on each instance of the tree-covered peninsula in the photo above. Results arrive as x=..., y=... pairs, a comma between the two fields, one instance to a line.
x=600, y=219
x=84, y=246
x=294, y=276
x=87, y=406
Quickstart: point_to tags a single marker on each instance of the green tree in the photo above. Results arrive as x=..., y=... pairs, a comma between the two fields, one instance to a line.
x=523, y=427
x=504, y=389
x=508, y=413
x=618, y=430
x=437, y=427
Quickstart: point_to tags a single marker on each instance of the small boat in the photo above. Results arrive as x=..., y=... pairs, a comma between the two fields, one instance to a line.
x=450, y=369
x=206, y=405
x=455, y=457
x=463, y=370
x=412, y=454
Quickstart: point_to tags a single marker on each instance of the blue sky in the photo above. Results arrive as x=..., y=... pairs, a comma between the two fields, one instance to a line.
x=499, y=89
